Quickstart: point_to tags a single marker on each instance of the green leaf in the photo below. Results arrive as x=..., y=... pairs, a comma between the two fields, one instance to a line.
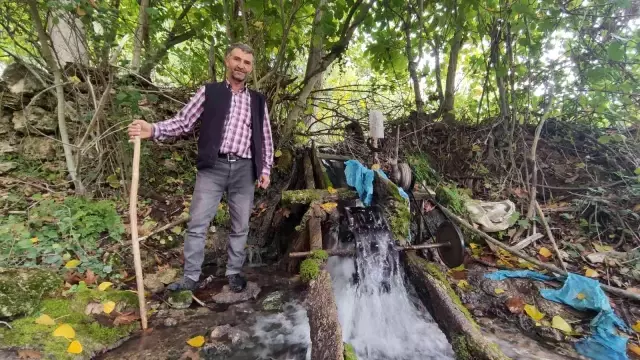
x=604, y=139
x=615, y=51
x=637, y=171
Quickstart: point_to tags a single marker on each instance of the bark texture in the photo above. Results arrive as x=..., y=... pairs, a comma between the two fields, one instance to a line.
x=326, y=333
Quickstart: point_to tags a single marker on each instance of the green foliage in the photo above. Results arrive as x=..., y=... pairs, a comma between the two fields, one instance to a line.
x=423, y=171
x=222, y=215
x=452, y=198
x=60, y=230
x=320, y=255
x=309, y=269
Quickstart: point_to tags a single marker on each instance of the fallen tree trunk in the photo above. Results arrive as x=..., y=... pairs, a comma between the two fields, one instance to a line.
x=453, y=318
x=326, y=333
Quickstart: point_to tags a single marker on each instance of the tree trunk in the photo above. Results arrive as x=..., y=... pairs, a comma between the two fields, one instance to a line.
x=68, y=37
x=57, y=74
x=137, y=40
x=456, y=45
x=436, y=55
x=412, y=63
x=110, y=35
x=316, y=48
x=212, y=59
x=309, y=82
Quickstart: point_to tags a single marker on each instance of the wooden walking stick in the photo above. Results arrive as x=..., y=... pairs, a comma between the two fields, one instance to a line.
x=133, y=217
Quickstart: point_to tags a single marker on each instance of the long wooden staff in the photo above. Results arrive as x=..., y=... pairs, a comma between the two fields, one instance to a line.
x=133, y=217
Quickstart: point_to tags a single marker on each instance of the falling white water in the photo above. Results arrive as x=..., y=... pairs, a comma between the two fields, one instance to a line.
x=379, y=324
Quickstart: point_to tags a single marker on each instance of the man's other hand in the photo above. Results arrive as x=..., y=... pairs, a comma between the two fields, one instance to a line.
x=264, y=181
x=140, y=128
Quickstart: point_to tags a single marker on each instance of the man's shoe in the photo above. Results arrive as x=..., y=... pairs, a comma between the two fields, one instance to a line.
x=184, y=284
x=236, y=282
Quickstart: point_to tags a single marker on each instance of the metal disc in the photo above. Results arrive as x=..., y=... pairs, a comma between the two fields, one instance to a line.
x=452, y=255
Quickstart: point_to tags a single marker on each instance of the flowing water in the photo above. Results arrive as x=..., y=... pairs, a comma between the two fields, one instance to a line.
x=377, y=314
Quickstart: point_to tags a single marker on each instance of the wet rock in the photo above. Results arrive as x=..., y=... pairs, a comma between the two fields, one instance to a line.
x=170, y=322
x=34, y=117
x=22, y=289
x=7, y=166
x=156, y=282
x=7, y=148
x=35, y=148
x=273, y=301
x=242, y=308
x=229, y=297
x=216, y=348
x=181, y=299
x=236, y=336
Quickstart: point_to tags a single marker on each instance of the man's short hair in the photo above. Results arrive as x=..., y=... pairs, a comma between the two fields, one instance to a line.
x=244, y=47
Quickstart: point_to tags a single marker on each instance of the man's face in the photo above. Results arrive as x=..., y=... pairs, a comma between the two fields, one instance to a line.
x=239, y=64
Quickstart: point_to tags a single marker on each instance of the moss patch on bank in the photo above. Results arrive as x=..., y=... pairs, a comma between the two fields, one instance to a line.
x=310, y=267
x=92, y=335
x=22, y=289
x=349, y=352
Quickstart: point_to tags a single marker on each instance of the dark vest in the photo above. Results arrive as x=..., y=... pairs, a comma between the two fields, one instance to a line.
x=217, y=103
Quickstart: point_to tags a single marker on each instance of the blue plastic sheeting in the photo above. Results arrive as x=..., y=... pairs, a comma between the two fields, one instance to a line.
x=361, y=178
x=604, y=343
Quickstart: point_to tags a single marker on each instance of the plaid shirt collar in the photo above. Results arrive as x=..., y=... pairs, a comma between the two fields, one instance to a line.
x=228, y=85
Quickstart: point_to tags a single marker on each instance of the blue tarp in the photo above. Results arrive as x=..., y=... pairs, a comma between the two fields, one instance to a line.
x=361, y=178
x=604, y=343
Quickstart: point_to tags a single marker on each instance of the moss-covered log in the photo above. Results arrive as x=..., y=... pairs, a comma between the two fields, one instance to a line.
x=308, y=196
x=454, y=319
x=396, y=208
x=326, y=333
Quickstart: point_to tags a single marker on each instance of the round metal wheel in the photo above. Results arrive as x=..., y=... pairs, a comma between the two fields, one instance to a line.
x=453, y=254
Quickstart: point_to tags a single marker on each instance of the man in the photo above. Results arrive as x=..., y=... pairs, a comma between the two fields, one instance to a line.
x=235, y=149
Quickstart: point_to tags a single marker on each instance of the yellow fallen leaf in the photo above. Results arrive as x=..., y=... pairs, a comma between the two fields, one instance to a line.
x=375, y=167
x=498, y=291
x=636, y=326
x=474, y=245
x=45, y=319
x=591, y=273
x=277, y=154
x=65, y=330
x=197, y=341
x=34, y=240
x=75, y=347
x=331, y=190
x=109, y=306
x=104, y=286
x=545, y=252
x=463, y=284
x=636, y=208
x=580, y=296
x=559, y=323
x=458, y=268
x=533, y=312
x=634, y=348
x=72, y=264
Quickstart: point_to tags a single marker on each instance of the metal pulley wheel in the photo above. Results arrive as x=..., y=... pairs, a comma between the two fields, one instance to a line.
x=405, y=176
x=450, y=244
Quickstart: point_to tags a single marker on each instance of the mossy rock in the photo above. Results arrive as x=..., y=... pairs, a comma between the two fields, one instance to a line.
x=309, y=269
x=181, y=299
x=349, y=352
x=22, y=290
x=94, y=337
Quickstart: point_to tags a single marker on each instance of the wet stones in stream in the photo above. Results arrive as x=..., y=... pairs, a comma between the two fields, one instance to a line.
x=226, y=296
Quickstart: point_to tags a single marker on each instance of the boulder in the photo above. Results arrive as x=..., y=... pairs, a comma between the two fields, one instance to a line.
x=236, y=336
x=7, y=148
x=156, y=282
x=36, y=148
x=34, y=117
x=21, y=290
x=20, y=80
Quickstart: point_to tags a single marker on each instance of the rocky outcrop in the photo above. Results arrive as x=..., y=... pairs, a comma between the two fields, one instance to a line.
x=39, y=148
x=34, y=117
